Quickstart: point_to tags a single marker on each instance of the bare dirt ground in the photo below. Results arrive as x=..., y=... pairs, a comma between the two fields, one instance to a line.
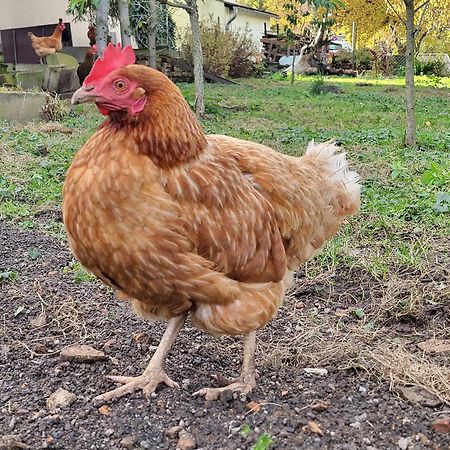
x=355, y=404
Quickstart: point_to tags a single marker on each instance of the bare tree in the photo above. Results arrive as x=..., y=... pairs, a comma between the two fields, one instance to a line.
x=190, y=6
x=124, y=19
x=152, y=24
x=197, y=54
x=101, y=29
x=411, y=31
x=410, y=104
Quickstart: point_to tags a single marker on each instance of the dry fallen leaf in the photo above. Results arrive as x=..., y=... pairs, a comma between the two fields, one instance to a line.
x=284, y=393
x=341, y=312
x=110, y=342
x=253, y=406
x=105, y=410
x=314, y=428
x=141, y=337
x=321, y=405
x=434, y=346
x=442, y=425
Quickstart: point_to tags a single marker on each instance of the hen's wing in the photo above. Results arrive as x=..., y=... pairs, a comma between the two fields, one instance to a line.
x=45, y=42
x=310, y=195
x=232, y=223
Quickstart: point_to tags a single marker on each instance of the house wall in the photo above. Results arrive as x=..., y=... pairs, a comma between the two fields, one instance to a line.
x=206, y=9
x=254, y=22
x=27, y=13
x=216, y=10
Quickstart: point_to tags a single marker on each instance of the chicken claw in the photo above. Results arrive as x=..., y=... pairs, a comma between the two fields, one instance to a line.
x=154, y=374
x=242, y=385
x=246, y=382
x=148, y=382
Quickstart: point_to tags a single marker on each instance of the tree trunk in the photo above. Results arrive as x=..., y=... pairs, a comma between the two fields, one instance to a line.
x=197, y=54
x=410, y=136
x=101, y=29
x=152, y=24
x=124, y=18
x=293, y=65
x=354, y=45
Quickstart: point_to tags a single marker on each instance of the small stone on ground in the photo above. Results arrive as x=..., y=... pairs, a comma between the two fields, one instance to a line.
x=81, y=353
x=60, y=399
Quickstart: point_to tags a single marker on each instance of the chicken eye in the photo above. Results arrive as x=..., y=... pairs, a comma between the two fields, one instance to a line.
x=120, y=85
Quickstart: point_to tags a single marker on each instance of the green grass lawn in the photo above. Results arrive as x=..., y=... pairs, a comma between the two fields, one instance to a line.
x=406, y=194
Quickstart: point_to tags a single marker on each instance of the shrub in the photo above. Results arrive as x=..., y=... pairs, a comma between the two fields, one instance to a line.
x=363, y=60
x=246, y=60
x=317, y=87
x=429, y=68
x=230, y=53
x=55, y=109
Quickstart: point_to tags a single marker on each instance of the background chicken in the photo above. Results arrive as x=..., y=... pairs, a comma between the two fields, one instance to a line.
x=85, y=67
x=91, y=35
x=182, y=223
x=47, y=45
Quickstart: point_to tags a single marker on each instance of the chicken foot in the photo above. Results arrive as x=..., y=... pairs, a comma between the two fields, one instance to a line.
x=247, y=380
x=154, y=374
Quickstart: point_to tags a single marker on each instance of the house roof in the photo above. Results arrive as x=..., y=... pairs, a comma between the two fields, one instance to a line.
x=250, y=9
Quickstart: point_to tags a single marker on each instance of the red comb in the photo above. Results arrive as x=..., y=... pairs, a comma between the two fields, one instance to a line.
x=113, y=58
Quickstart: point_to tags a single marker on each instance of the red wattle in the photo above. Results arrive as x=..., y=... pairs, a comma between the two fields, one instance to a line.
x=102, y=110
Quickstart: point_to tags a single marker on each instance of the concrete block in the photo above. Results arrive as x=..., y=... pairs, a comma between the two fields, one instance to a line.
x=29, y=80
x=26, y=67
x=21, y=106
x=60, y=79
x=77, y=52
x=61, y=59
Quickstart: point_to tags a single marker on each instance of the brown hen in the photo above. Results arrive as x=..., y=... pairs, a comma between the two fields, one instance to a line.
x=47, y=45
x=185, y=224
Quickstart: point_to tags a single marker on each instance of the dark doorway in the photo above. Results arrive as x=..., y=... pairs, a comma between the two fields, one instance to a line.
x=17, y=47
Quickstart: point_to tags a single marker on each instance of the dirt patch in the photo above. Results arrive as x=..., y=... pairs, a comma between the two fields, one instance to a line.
x=351, y=402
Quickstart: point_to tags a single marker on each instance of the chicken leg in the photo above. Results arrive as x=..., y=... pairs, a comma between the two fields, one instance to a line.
x=247, y=381
x=154, y=372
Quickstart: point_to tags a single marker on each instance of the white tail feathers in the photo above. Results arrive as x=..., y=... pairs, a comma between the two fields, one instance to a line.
x=339, y=172
x=337, y=164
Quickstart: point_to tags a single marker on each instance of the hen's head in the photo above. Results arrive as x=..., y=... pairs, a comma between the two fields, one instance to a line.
x=115, y=83
x=61, y=25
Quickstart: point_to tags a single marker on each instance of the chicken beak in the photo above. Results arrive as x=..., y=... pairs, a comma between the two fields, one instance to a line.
x=84, y=95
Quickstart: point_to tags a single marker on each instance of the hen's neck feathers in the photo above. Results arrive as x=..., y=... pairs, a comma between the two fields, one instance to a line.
x=57, y=33
x=167, y=129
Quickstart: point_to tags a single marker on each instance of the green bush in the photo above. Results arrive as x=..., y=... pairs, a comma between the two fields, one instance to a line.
x=429, y=68
x=244, y=61
x=317, y=86
x=230, y=53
